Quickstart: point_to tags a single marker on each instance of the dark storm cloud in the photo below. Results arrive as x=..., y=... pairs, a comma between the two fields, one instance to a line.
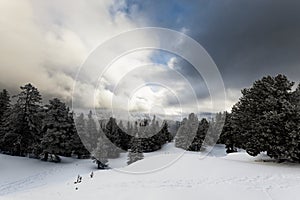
x=246, y=39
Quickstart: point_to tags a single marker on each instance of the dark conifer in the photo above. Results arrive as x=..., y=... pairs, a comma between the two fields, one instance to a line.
x=23, y=124
x=58, y=131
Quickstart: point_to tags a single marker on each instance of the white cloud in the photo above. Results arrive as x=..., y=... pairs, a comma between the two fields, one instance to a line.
x=44, y=42
x=172, y=63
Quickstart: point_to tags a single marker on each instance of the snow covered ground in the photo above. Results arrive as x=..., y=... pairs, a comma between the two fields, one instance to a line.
x=217, y=176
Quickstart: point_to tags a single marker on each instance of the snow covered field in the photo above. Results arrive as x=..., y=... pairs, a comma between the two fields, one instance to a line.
x=217, y=176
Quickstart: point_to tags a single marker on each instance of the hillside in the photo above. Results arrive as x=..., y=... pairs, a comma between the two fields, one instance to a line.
x=217, y=176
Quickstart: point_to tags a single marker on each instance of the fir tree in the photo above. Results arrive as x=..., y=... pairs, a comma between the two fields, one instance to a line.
x=135, y=152
x=91, y=136
x=227, y=136
x=217, y=126
x=116, y=135
x=165, y=134
x=150, y=139
x=129, y=128
x=187, y=132
x=293, y=128
x=264, y=118
x=4, y=112
x=78, y=147
x=23, y=124
x=4, y=103
x=58, y=131
x=101, y=153
x=200, y=136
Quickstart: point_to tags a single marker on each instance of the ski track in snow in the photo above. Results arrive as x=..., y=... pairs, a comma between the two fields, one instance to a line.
x=258, y=183
x=29, y=182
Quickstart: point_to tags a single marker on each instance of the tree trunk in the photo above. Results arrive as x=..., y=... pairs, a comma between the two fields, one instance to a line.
x=46, y=155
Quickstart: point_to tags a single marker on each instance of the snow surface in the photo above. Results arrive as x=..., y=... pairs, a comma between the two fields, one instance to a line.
x=217, y=176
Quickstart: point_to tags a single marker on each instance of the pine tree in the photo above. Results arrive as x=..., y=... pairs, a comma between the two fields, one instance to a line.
x=164, y=134
x=58, y=131
x=263, y=117
x=23, y=124
x=135, y=152
x=101, y=153
x=80, y=124
x=129, y=128
x=4, y=112
x=187, y=132
x=91, y=133
x=227, y=136
x=116, y=135
x=293, y=128
x=150, y=138
x=180, y=138
x=197, y=143
x=218, y=127
x=78, y=147
x=4, y=103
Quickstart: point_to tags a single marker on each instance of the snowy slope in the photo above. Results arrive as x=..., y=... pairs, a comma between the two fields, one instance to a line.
x=18, y=174
x=235, y=176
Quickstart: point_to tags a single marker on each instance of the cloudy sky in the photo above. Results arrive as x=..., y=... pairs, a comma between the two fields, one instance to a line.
x=47, y=43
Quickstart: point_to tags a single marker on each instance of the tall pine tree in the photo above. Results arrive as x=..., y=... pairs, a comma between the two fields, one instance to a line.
x=227, y=136
x=101, y=152
x=136, y=151
x=23, y=125
x=78, y=147
x=197, y=143
x=263, y=119
x=116, y=135
x=91, y=135
x=4, y=112
x=187, y=132
x=58, y=131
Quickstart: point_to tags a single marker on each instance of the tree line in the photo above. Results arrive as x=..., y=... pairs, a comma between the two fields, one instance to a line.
x=137, y=138
x=29, y=128
x=265, y=119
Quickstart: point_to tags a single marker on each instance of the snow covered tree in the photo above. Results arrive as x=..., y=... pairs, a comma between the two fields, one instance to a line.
x=296, y=97
x=135, y=152
x=4, y=112
x=200, y=136
x=164, y=134
x=152, y=137
x=116, y=135
x=4, y=103
x=173, y=127
x=293, y=128
x=187, y=132
x=129, y=128
x=80, y=124
x=58, y=130
x=264, y=118
x=78, y=147
x=180, y=138
x=146, y=132
x=227, y=135
x=91, y=133
x=101, y=153
x=217, y=127
x=23, y=124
